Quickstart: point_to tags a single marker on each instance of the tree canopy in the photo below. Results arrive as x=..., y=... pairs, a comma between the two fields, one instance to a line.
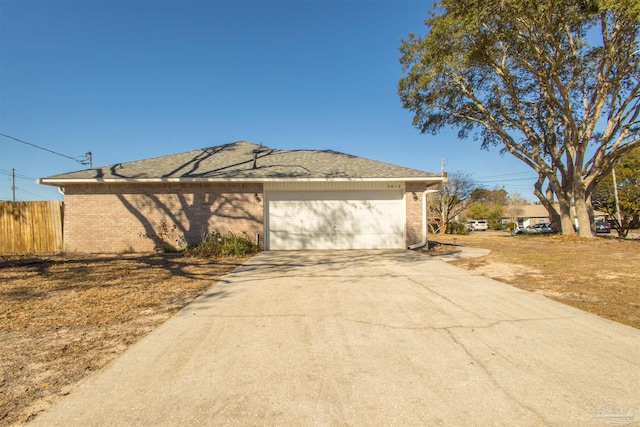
x=453, y=198
x=488, y=205
x=627, y=184
x=555, y=83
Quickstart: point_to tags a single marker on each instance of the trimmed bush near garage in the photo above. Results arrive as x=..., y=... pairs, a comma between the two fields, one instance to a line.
x=215, y=245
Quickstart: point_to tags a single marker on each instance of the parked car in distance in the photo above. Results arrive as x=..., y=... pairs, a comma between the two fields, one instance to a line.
x=477, y=225
x=541, y=228
x=603, y=227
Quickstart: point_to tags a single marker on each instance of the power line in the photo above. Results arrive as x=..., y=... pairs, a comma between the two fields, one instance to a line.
x=33, y=194
x=17, y=175
x=83, y=162
x=37, y=146
x=14, y=188
x=508, y=174
x=506, y=180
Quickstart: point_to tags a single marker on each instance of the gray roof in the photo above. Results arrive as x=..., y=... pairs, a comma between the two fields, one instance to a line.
x=235, y=161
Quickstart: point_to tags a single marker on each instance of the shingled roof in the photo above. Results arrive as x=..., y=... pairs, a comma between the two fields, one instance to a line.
x=235, y=162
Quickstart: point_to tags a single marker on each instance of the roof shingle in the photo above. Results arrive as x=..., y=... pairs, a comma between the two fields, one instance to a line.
x=236, y=161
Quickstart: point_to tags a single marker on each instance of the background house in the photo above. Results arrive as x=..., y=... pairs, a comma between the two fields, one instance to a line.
x=283, y=199
x=529, y=215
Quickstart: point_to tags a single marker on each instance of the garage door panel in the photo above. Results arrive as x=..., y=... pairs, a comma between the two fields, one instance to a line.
x=367, y=226
x=303, y=208
x=299, y=241
x=336, y=220
x=307, y=225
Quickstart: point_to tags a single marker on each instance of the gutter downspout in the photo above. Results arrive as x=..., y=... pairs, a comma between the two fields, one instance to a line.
x=424, y=222
x=60, y=187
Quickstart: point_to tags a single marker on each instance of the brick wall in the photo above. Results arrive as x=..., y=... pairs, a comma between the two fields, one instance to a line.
x=111, y=218
x=414, y=211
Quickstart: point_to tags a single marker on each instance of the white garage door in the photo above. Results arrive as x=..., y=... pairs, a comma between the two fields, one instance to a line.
x=336, y=220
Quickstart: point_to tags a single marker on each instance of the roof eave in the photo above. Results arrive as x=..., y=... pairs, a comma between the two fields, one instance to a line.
x=68, y=181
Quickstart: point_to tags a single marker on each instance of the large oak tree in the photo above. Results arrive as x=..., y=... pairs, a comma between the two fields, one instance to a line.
x=624, y=208
x=556, y=83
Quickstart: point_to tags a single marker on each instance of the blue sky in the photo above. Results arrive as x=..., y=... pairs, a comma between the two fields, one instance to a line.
x=133, y=79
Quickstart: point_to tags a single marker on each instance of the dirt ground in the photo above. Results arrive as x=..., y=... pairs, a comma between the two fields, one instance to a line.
x=62, y=318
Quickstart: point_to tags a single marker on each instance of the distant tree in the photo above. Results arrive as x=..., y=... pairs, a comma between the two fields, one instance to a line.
x=497, y=196
x=555, y=83
x=628, y=179
x=515, y=207
x=453, y=198
x=487, y=204
x=491, y=212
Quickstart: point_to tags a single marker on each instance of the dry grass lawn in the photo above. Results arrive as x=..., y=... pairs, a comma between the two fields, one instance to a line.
x=598, y=275
x=62, y=318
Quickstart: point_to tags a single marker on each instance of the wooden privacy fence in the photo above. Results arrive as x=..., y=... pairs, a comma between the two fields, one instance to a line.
x=31, y=227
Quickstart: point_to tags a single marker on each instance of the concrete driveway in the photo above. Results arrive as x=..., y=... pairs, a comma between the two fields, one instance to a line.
x=366, y=338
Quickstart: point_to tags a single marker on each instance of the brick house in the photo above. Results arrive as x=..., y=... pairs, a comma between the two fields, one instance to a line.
x=530, y=215
x=284, y=199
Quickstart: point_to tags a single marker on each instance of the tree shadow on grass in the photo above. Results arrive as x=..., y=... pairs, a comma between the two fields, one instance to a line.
x=83, y=273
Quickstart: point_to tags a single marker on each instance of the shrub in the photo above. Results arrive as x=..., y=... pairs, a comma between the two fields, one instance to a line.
x=455, y=227
x=495, y=224
x=510, y=226
x=215, y=245
x=166, y=238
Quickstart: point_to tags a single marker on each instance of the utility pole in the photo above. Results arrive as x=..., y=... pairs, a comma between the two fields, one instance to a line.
x=13, y=183
x=90, y=159
x=615, y=193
